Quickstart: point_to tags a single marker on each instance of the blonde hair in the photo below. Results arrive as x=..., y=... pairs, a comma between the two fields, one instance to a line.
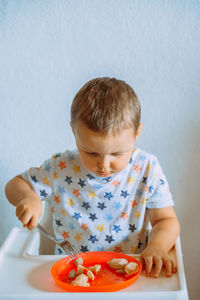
x=106, y=105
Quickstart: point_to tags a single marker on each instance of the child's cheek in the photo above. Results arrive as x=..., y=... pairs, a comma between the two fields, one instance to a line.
x=120, y=164
x=89, y=163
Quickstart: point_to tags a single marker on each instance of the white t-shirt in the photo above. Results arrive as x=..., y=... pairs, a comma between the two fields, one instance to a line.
x=95, y=213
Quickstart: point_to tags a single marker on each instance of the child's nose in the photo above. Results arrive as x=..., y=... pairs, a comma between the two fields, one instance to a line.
x=104, y=162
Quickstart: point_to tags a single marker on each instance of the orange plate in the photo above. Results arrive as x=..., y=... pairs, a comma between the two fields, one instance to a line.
x=105, y=281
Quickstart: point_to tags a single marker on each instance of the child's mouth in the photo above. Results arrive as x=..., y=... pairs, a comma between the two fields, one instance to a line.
x=104, y=174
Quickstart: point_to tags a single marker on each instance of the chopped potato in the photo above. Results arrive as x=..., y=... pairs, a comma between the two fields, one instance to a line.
x=72, y=274
x=90, y=274
x=81, y=280
x=131, y=268
x=95, y=269
x=78, y=261
x=117, y=263
x=80, y=269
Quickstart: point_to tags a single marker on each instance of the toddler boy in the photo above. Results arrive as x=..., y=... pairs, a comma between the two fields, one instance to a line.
x=104, y=195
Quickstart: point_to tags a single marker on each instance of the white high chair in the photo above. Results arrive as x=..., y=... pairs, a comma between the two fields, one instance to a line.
x=26, y=259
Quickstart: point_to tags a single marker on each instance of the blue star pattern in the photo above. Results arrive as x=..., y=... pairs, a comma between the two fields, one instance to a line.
x=144, y=180
x=59, y=251
x=72, y=226
x=99, y=213
x=162, y=181
x=124, y=194
x=84, y=249
x=117, y=228
x=47, y=167
x=58, y=223
x=93, y=239
x=81, y=182
x=34, y=179
x=86, y=205
x=151, y=188
x=101, y=205
x=107, y=179
x=77, y=216
x=43, y=193
x=109, y=239
x=68, y=179
x=93, y=217
x=132, y=227
x=108, y=195
x=117, y=205
x=108, y=217
x=61, y=189
x=90, y=176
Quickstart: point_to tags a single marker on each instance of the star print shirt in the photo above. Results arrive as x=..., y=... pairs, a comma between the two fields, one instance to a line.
x=97, y=213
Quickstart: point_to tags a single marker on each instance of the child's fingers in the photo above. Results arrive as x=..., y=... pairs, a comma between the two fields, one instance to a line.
x=33, y=222
x=141, y=262
x=168, y=268
x=23, y=215
x=149, y=264
x=158, y=266
x=174, y=267
x=25, y=218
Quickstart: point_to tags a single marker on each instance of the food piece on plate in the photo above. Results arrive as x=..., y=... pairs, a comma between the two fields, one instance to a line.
x=81, y=280
x=120, y=271
x=117, y=263
x=90, y=274
x=78, y=261
x=80, y=269
x=95, y=269
x=131, y=268
x=72, y=274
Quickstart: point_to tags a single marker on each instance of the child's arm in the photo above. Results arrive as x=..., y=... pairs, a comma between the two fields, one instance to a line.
x=28, y=204
x=165, y=230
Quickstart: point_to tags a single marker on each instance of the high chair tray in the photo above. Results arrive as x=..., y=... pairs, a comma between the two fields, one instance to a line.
x=24, y=274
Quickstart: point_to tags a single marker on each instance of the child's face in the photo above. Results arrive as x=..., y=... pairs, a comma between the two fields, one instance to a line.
x=104, y=155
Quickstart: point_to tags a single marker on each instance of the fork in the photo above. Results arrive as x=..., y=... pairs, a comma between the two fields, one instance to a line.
x=64, y=244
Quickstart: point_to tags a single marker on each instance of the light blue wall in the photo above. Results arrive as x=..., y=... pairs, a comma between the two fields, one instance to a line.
x=49, y=49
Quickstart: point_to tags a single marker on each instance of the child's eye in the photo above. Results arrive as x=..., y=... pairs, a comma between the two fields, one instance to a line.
x=117, y=154
x=92, y=154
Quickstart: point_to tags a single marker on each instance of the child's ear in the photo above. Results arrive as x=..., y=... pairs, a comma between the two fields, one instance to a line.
x=71, y=126
x=139, y=131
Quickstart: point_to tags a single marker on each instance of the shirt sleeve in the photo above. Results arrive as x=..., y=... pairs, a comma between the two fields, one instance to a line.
x=158, y=193
x=41, y=179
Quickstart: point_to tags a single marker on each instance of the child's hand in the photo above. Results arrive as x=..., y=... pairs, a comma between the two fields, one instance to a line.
x=29, y=210
x=158, y=258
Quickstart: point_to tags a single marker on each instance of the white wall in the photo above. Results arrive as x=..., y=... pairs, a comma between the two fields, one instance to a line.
x=49, y=49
